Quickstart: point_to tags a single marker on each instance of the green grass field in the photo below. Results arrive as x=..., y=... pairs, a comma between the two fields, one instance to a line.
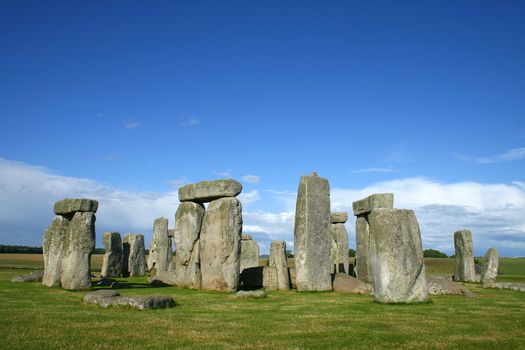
x=35, y=317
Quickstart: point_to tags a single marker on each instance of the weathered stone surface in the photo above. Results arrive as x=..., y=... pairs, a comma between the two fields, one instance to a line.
x=171, y=233
x=270, y=279
x=252, y=277
x=249, y=253
x=221, y=245
x=246, y=237
x=136, y=259
x=465, y=270
x=188, y=220
x=378, y=200
x=339, y=249
x=112, y=261
x=489, y=272
x=279, y=261
x=339, y=217
x=207, y=191
x=348, y=284
x=251, y=294
x=163, y=278
x=70, y=206
x=107, y=298
x=52, y=246
x=441, y=285
x=312, y=234
x=293, y=277
x=109, y=282
x=506, y=285
x=160, y=253
x=79, y=243
x=35, y=276
x=396, y=255
x=362, y=251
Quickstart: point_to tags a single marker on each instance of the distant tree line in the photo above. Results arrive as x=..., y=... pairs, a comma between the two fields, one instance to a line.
x=19, y=249
x=432, y=253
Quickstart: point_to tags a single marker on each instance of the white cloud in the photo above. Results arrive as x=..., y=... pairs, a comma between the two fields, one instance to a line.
x=253, y=179
x=192, y=121
x=249, y=197
x=131, y=124
x=510, y=155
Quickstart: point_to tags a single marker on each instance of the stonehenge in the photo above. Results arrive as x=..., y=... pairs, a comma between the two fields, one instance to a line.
x=134, y=255
x=275, y=275
x=249, y=252
x=465, y=270
x=489, y=272
x=160, y=252
x=112, y=261
x=312, y=235
x=339, y=251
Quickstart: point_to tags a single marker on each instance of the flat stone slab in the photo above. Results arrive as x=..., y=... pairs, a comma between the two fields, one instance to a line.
x=35, y=276
x=344, y=283
x=378, y=200
x=72, y=205
x=246, y=237
x=520, y=287
x=107, y=298
x=339, y=218
x=207, y=191
x=443, y=285
x=251, y=294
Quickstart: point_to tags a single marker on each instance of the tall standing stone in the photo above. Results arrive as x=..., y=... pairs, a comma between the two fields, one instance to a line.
x=465, y=268
x=220, y=244
x=339, y=252
x=312, y=234
x=79, y=243
x=188, y=220
x=489, y=272
x=52, y=247
x=136, y=259
x=160, y=253
x=249, y=252
x=396, y=255
x=112, y=261
x=278, y=264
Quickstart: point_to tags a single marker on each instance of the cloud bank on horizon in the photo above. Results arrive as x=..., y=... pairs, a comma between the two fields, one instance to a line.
x=494, y=212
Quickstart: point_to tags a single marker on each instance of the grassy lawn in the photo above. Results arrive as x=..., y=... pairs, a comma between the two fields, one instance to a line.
x=35, y=317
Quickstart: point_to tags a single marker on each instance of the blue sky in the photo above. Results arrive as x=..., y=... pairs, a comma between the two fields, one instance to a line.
x=126, y=101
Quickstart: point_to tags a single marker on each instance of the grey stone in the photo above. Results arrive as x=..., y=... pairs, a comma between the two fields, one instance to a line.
x=506, y=285
x=312, y=234
x=79, y=243
x=163, y=278
x=362, y=251
x=246, y=237
x=339, y=252
x=109, y=282
x=134, y=254
x=70, y=206
x=207, y=191
x=35, y=276
x=188, y=220
x=348, y=284
x=252, y=277
x=339, y=218
x=52, y=246
x=96, y=296
x=378, y=200
x=249, y=253
x=465, y=270
x=279, y=261
x=396, y=256
x=489, y=271
x=270, y=279
x=293, y=277
x=257, y=294
x=171, y=233
x=107, y=298
x=441, y=285
x=160, y=253
x=220, y=245
x=112, y=261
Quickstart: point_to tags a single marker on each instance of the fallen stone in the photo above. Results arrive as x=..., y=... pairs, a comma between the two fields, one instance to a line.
x=489, y=272
x=312, y=234
x=79, y=243
x=160, y=253
x=442, y=285
x=107, y=298
x=251, y=294
x=109, y=282
x=70, y=206
x=207, y=191
x=378, y=200
x=252, y=277
x=362, y=251
x=339, y=259
x=344, y=283
x=134, y=254
x=249, y=253
x=338, y=218
x=465, y=270
x=279, y=262
x=53, y=246
x=112, y=261
x=396, y=255
x=506, y=285
x=35, y=276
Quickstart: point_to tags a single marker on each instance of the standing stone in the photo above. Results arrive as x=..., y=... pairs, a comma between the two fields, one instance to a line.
x=279, y=263
x=79, y=243
x=52, y=247
x=339, y=252
x=137, y=256
x=112, y=262
x=312, y=234
x=396, y=256
x=465, y=268
x=249, y=252
x=220, y=244
x=160, y=253
x=188, y=220
x=207, y=191
x=489, y=272
x=362, y=250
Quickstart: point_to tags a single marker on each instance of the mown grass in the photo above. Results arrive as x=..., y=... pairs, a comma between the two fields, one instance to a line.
x=35, y=317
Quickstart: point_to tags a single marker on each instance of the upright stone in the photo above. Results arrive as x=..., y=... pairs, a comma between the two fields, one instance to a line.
x=221, y=245
x=52, y=247
x=207, y=191
x=160, y=253
x=362, y=250
x=112, y=262
x=339, y=252
x=489, y=272
x=279, y=262
x=312, y=234
x=79, y=243
x=396, y=255
x=465, y=268
x=188, y=220
x=137, y=256
x=249, y=252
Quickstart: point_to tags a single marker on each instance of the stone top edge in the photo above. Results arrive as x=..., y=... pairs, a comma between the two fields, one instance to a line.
x=377, y=200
